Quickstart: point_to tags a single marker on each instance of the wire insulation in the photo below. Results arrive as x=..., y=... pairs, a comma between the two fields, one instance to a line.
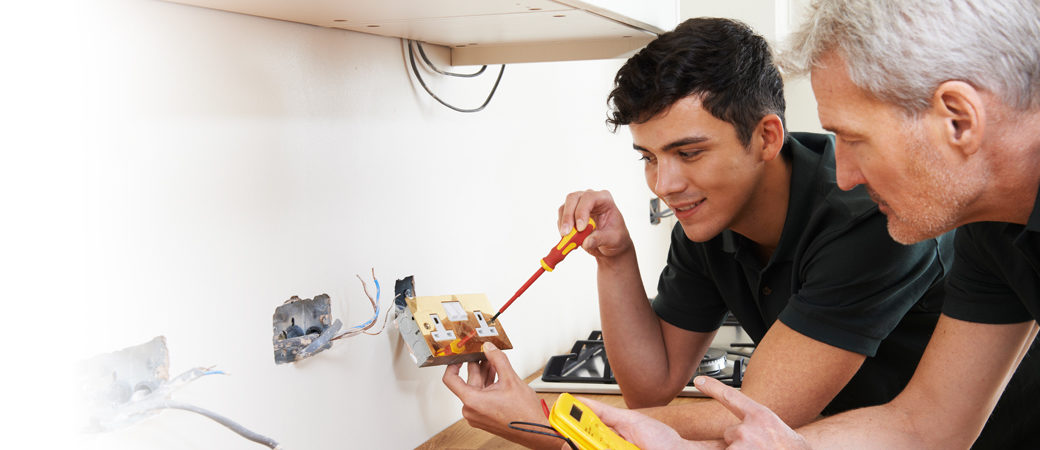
x=418, y=76
x=364, y=327
x=230, y=424
x=554, y=433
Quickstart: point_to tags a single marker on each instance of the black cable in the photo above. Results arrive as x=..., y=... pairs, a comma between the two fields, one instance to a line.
x=411, y=59
x=554, y=433
x=430, y=64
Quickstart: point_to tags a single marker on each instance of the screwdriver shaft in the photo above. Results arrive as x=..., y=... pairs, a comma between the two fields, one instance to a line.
x=523, y=288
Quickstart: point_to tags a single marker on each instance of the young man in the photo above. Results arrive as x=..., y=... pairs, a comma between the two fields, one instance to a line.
x=807, y=269
x=764, y=232
x=935, y=105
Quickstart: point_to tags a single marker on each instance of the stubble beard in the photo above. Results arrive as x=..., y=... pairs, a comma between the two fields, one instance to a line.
x=938, y=198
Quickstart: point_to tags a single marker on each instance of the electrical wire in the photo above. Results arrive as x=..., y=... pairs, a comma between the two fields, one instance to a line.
x=363, y=328
x=375, y=302
x=418, y=76
x=230, y=424
x=554, y=433
x=157, y=399
x=386, y=319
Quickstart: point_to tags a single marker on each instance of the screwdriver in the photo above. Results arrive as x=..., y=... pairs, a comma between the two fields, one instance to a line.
x=569, y=242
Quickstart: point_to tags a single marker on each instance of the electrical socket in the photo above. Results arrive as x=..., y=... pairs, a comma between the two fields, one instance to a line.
x=298, y=324
x=433, y=327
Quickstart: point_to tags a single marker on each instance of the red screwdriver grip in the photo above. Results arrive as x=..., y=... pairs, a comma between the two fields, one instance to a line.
x=569, y=242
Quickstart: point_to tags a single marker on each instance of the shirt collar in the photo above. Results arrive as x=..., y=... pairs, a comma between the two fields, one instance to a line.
x=1034, y=218
x=808, y=168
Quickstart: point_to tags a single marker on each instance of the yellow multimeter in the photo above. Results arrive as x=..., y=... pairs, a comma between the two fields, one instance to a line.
x=576, y=421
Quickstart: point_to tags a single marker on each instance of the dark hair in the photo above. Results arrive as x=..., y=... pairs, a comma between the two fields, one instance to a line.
x=723, y=61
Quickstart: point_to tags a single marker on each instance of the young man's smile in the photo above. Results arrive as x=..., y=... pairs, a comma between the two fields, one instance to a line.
x=685, y=209
x=690, y=157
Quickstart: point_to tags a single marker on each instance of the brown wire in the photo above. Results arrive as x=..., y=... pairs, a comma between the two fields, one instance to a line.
x=364, y=329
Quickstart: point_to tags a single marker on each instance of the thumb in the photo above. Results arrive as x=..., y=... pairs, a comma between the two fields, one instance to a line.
x=590, y=243
x=606, y=413
x=499, y=361
x=735, y=401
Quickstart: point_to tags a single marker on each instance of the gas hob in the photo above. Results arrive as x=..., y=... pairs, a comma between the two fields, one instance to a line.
x=586, y=368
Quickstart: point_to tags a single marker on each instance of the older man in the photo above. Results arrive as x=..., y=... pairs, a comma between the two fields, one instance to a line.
x=935, y=105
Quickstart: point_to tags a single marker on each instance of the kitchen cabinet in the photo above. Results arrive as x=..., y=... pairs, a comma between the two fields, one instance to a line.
x=485, y=31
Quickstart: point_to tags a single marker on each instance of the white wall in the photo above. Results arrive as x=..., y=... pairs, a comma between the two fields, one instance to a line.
x=212, y=165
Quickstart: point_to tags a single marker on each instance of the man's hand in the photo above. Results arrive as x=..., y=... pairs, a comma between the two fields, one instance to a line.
x=759, y=427
x=611, y=237
x=640, y=429
x=490, y=405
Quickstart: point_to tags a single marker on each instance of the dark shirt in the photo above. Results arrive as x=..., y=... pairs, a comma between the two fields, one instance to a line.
x=836, y=276
x=996, y=279
x=996, y=274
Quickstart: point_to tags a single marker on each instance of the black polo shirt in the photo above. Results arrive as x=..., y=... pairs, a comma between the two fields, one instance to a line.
x=996, y=274
x=836, y=276
x=996, y=279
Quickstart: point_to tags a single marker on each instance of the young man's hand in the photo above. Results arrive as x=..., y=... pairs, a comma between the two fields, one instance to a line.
x=611, y=237
x=490, y=405
x=759, y=427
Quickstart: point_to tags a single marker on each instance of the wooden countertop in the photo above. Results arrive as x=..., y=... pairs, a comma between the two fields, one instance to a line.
x=462, y=436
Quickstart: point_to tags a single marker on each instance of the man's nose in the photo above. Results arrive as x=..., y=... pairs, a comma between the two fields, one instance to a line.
x=847, y=170
x=670, y=179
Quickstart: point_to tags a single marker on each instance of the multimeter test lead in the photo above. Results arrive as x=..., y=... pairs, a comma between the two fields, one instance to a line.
x=569, y=242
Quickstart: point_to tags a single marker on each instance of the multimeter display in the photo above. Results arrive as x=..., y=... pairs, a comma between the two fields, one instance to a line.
x=576, y=412
x=577, y=422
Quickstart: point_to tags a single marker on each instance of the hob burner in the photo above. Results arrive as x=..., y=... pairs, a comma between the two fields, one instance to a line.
x=713, y=362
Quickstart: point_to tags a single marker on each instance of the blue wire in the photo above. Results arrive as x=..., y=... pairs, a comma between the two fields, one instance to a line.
x=374, y=317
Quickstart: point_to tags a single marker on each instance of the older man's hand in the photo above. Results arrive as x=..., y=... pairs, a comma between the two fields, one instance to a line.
x=644, y=431
x=760, y=428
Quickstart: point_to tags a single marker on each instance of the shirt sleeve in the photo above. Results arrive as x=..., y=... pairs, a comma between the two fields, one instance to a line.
x=687, y=297
x=857, y=284
x=974, y=292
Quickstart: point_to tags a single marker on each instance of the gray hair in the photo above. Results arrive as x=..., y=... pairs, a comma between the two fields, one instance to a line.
x=900, y=51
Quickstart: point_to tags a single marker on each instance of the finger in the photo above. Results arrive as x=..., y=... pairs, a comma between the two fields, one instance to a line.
x=500, y=363
x=453, y=381
x=567, y=213
x=583, y=209
x=606, y=413
x=489, y=374
x=731, y=434
x=735, y=401
x=475, y=378
x=559, y=218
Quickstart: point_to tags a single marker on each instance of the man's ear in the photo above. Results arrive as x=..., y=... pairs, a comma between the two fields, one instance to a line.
x=771, y=131
x=960, y=108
